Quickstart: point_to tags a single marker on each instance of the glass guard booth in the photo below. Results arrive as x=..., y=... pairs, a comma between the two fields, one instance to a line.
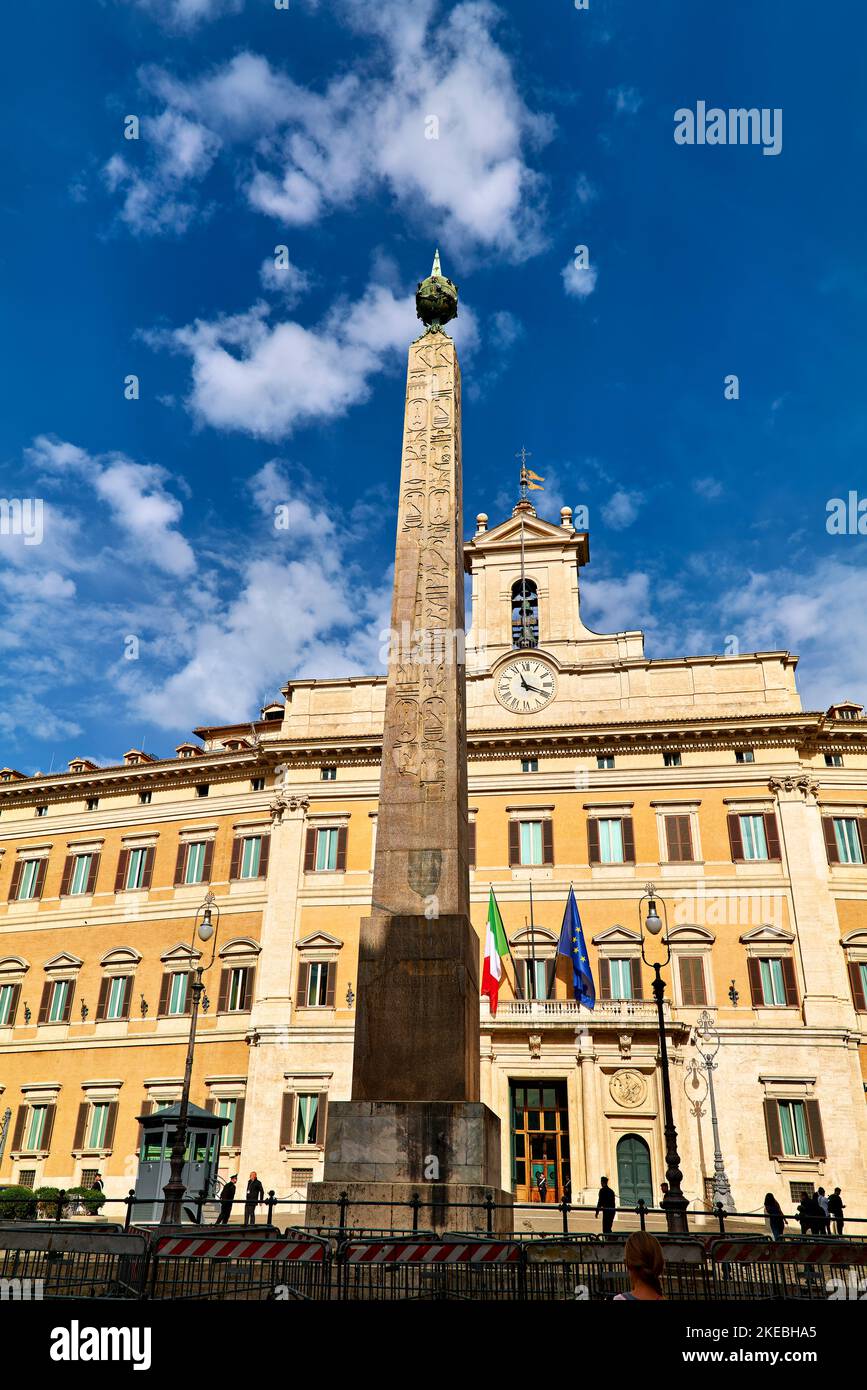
x=201, y=1160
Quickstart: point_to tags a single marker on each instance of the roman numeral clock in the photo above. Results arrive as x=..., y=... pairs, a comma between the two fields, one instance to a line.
x=526, y=685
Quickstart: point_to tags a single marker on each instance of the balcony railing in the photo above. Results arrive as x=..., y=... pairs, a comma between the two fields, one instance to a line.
x=570, y=1011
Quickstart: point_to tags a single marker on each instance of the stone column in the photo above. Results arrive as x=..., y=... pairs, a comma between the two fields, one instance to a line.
x=590, y=1116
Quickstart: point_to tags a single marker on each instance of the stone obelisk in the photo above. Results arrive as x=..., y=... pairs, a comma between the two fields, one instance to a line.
x=415, y=1123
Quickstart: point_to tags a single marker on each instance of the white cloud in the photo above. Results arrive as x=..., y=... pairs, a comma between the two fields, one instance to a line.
x=627, y=100
x=621, y=509
x=285, y=279
x=185, y=15
x=709, y=488
x=616, y=605
x=579, y=281
x=585, y=191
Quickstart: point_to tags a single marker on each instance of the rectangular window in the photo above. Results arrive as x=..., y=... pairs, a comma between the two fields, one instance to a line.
x=753, y=837
x=116, y=997
x=671, y=760
x=773, y=983
x=620, y=975
x=257, y=784
x=92, y=803
x=42, y=810
x=744, y=755
x=27, y=1177
x=861, y=968
x=28, y=883
x=328, y=774
x=80, y=873
x=195, y=867
x=326, y=849
x=307, y=1119
x=144, y=798
x=178, y=992
x=678, y=838
x=237, y=989
x=606, y=760
x=228, y=1110
x=251, y=854
x=98, y=1125
x=202, y=789
x=692, y=989
x=36, y=1128
x=793, y=1125
x=57, y=1006
x=7, y=995
x=529, y=765
x=610, y=842
x=317, y=984
x=537, y=974
x=135, y=869
x=531, y=842
x=848, y=840
x=833, y=759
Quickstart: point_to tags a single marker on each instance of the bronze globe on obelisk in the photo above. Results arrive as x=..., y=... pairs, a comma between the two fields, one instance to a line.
x=415, y=1123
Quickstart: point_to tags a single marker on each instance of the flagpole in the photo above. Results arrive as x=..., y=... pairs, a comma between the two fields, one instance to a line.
x=532, y=939
x=515, y=991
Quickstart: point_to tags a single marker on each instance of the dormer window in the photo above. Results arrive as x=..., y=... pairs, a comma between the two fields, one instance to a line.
x=525, y=613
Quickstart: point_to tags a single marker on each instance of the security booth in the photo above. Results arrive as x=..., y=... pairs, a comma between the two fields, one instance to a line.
x=201, y=1160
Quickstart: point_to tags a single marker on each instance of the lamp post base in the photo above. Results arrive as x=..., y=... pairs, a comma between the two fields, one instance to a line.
x=675, y=1207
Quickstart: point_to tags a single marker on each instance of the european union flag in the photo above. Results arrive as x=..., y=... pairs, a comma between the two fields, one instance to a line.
x=573, y=946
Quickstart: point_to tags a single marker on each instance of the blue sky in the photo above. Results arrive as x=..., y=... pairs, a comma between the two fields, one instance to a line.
x=309, y=128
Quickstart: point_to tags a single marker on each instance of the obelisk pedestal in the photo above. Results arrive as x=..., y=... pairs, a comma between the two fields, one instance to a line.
x=415, y=1124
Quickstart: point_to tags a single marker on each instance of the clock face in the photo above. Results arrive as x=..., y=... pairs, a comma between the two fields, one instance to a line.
x=526, y=685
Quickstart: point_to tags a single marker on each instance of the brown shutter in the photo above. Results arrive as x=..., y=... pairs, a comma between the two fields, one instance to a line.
x=814, y=1129
x=127, y=997
x=514, y=843
x=604, y=979
x=48, y=1127
x=593, y=841
x=223, y=998
x=855, y=984
x=147, y=872
x=342, y=831
x=628, y=841
x=180, y=863
x=110, y=1126
x=860, y=828
x=286, y=1119
x=92, y=873
x=547, y=842
x=686, y=981
x=789, y=981
x=239, y=1123
x=330, y=982
x=120, y=876
x=13, y=1005
x=39, y=882
x=80, y=1125
x=321, y=1117
x=754, y=969
x=165, y=987
x=735, y=838
x=247, y=991
x=303, y=974
x=67, y=1007
x=235, y=868
x=550, y=967
x=772, y=835
x=66, y=879
x=44, y=1002
x=265, y=854
x=678, y=838
x=102, y=1002
x=310, y=850
x=773, y=1129
x=635, y=970
x=20, y=1122
x=211, y=1105
x=147, y=1107
x=16, y=879
x=471, y=844
x=830, y=840
x=208, y=861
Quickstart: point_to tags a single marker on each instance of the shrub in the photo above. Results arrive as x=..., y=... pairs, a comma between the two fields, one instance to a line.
x=17, y=1203
x=88, y=1197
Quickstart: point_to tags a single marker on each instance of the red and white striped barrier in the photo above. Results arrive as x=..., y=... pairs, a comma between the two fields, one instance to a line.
x=242, y=1248
x=789, y=1252
x=431, y=1252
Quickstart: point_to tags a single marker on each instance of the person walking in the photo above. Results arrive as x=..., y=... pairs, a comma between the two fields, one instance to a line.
x=542, y=1185
x=255, y=1194
x=826, y=1218
x=836, y=1207
x=227, y=1197
x=606, y=1202
x=644, y=1261
x=775, y=1216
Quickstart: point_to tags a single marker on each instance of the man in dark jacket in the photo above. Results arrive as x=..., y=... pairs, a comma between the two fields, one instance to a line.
x=835, y=1209
x=255, y=1193
x=227, y=1197
x=606, y=1202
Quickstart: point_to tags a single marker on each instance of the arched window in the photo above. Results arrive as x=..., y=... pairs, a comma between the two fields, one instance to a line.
x=525, y=613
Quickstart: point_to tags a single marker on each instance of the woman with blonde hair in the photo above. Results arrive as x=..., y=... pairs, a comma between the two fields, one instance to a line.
x=643, y=1259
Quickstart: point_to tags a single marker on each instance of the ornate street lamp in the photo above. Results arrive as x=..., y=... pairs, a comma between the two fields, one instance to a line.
x=206, y=929
x=674, y=1204
x=707, y=1043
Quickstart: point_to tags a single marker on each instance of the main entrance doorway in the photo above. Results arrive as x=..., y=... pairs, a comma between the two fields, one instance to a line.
x=540, y=1139
x=633, y=1171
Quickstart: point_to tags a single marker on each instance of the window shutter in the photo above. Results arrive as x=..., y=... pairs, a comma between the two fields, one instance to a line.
x=20, y=1122
x=321, y=1117
x=16, y=879
x=235, y=868
x=94, y=870
x=593, y=842
x=211, y=1105
x=635, y=970
x=772, y=835
x=286, y=1119
x=550, y=966
x=790, y=981
x=80, y=1125
x=147, y=1107
x=814, y=1129
x=628, y=840
x=67, y=1007
x=148, y=870
x=13, y=1005
x=342, y=831
x=44, y=1002
x=264, y=855
x=330, y=983
x=471, y=844
x=102, y=1002
x=854, y=981
x=223, y=998
x=310, y=850
x=165, y=987
x=514, y=843
x=303, y=974
x=239, y=1123
x=604, y=979
x=860, y=829
x=735, y=838
x=110, y=1126
x=686, y=981
x=120, y=876
x=757, y=994
x=127, y=997
x=208, y=861
x=68, y=866
x=678, y=837
x=180, y=863
x=830, y=840
x=48, y=1127
x=247, y=991
x=547, y=842
x=773, y=1130
x=39, y=882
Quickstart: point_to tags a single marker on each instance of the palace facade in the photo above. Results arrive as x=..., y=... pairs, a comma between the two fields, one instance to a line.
x=589, y=765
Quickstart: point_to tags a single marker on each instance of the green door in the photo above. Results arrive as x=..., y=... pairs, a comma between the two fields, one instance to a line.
x=633, y=1172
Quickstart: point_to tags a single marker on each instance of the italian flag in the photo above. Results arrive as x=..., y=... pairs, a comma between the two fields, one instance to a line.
x=496, y=950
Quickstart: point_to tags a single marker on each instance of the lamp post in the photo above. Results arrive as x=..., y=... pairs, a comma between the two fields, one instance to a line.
x=693, y=1081
x=674, y=1204
x=707, y=1051
x=206, y=929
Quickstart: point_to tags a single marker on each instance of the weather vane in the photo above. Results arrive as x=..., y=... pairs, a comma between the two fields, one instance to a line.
x=529, y=480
